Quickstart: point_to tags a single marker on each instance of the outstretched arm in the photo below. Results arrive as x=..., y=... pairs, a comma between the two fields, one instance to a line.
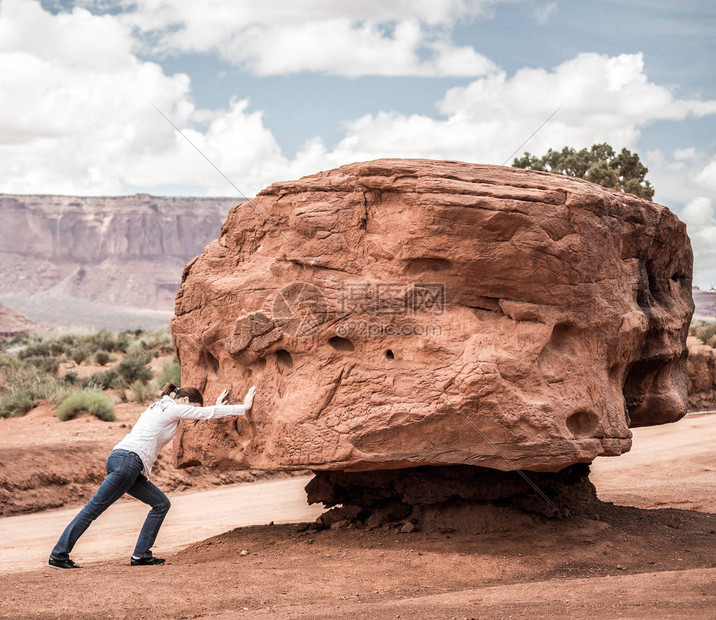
x=190, y=412
x=220, y=410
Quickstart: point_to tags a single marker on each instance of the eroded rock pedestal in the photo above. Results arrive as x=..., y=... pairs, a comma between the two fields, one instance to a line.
x=451, y=497
x=404, y=313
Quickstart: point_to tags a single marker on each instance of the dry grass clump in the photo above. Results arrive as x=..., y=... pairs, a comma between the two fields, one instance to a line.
x=87, y=400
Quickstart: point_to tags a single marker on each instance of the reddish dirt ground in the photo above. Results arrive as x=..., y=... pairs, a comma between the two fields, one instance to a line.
x=651, y=559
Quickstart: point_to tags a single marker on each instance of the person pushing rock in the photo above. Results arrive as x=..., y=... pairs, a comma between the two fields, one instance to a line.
x=130, y=463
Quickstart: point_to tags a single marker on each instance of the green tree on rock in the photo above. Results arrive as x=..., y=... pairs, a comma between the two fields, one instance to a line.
x=599, y=164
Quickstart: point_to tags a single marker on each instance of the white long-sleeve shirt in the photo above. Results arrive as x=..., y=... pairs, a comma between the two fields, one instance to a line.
x=158, y=423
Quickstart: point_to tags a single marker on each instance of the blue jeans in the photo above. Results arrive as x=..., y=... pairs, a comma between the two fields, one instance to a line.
x=123, y=476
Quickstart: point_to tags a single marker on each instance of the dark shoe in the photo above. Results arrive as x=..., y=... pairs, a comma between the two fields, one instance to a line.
x=147, y=561
x=63, y=563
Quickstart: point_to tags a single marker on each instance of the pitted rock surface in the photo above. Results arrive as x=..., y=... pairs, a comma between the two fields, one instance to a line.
x=401, y=313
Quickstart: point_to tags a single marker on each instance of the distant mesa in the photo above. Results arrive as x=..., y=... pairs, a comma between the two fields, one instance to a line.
x=705, y=302
x=13, y=323
x=111, y=261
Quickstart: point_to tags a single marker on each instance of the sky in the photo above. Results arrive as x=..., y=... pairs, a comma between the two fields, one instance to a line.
x=277, y=89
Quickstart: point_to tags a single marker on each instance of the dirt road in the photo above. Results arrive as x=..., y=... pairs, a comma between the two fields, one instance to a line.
x=672, y=465
x=652, y=557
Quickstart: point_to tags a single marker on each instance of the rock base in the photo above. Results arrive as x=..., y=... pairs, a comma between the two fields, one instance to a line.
x=450, y=498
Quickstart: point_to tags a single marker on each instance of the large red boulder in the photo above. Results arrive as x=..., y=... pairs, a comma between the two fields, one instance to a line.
x=399, y=313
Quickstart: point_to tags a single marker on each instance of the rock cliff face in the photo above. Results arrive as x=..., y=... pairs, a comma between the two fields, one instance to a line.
x=401, y=313
x=702, y=375
x=13, y=323
x=705, y=305
x=60, y=252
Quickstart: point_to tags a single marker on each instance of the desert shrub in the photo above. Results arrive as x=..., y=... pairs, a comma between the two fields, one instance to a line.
x=160, y=341
x=703, y=330
x=134, y=368
x=29, y=382
x=79, y=332
x=16, y=402
x=67, y=341
x=136, y=348
x=142, y=392
x=102, y=357
x=119, y=383
x=104, y=341
x=79, y=353
x=89, y=400
x=40, y=348
x=19, y=376
x=69, y=345
x=44, y=363
x=7, y=360
x=105, y=380
x=69, y=377
x=123, y=341
x=33, y=349
x=54, y=392
x=56, y=348
x=71, y=339
x=19, y=340
x=171, y=373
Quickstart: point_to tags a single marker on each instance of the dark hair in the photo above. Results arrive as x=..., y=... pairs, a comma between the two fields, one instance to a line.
x=191, y=393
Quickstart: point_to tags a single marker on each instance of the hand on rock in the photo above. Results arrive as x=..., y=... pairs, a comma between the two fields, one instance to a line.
x=223, y=398
x=249, y=398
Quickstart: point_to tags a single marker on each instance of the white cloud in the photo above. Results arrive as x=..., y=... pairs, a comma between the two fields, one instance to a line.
x=72, y=101
x=606, y=99
x=76, y=126
x=700, y=219
x=699, y=212
x=340, y=47
x=223, y=17
x=92, y=120
x=685, y=154
x=677, y=187
x=706, y=177
x=349, y=38
x=545, y=11
x=678, y=180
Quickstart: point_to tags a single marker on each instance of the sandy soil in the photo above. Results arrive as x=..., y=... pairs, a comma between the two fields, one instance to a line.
x=669, y=466
x=653, y=558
